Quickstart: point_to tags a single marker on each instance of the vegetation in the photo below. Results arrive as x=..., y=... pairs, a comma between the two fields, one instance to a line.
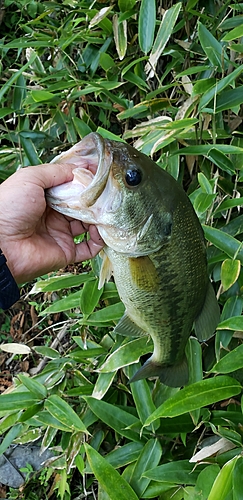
x=166, y=77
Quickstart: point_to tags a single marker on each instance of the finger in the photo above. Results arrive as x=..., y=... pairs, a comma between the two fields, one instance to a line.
x=89, y=249
x=77, y=227
x=46, y=175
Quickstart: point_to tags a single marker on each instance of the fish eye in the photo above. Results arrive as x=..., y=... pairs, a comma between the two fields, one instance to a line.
x=133, y=177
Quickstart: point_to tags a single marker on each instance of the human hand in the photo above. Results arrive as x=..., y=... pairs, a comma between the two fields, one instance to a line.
x=34, y=238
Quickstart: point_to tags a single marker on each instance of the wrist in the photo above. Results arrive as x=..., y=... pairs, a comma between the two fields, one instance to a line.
x=9, y=292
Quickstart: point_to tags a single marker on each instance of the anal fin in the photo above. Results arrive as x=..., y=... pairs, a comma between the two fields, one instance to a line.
x=206, y=322
x=128, y=328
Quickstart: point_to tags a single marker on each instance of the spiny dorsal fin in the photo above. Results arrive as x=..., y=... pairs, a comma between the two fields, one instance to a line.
x=128, y=328
x=206, y=322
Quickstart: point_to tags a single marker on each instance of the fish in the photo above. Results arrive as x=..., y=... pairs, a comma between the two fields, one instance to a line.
x=154, y=248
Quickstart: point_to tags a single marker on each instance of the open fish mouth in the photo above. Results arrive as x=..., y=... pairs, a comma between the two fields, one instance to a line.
x=93, y=158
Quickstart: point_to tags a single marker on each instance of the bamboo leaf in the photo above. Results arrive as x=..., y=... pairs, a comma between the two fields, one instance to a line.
x=196, y=396
x=63, y=412
x=223, y=482
x=116, y=418
x=149, y=458
x=10, y=436
x=225, y=242
x=230, y=362
x=166, y=27
x=114, y=484
x=126, y=354
x=230, y=271
x=146, y=24
x=33, y=386
x=212, y=48
x=120, y=36
x=17, y=401
x=90, y=297
x=234, y=323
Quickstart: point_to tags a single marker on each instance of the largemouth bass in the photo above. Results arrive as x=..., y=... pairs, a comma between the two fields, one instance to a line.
x=155, y=248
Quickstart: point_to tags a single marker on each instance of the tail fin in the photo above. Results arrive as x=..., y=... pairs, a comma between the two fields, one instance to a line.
x=171, y=375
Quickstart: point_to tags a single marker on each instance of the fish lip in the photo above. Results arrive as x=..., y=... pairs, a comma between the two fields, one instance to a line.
x=88, y=196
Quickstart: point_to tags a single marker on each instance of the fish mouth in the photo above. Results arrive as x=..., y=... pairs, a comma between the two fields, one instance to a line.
x=93, y=158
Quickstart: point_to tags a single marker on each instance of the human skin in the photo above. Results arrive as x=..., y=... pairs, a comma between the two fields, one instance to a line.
x=34, y=238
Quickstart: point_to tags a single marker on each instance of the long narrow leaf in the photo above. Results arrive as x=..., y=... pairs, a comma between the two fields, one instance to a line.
x=114, y=484
x=163, y=35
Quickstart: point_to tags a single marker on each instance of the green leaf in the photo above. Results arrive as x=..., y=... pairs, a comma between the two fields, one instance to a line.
x=90, y=297
x=219, y=86
x=234, y=323
x=72, y=301
x=230, y=203
x=142, y=397
x=204, y=149
x=120, y=36
x=237, y=479
x=212, y=48
x=197, y=395
x=233, y=34
x=146, y=24
x=204, y=183
x=106, y=316
x=127, y=354
x=165, y=30
x=203, y=202
x=205, y=481
x=123, y=455
x=114, y=484
x=125, y=5
x=48, y=420
x=61, y=282
x=225, y=242
x=223, y=482
x=230, y=271
x=102, y=384
x=221, y=160
x=42, y=95
x=30, y=150
x=49, y=352
x=229, y=99
x=177, y=472
x=10, y=436
x=116, y=418
x=231, y=361
x=149, y=458
x=16, y=75
x=17, y=401
x=63, y=412
x=5, y=111
x=33, y=386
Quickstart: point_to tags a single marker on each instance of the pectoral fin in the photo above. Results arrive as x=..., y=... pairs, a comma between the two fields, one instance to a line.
x=205, y=324
x=143, y=272
x=128, y=328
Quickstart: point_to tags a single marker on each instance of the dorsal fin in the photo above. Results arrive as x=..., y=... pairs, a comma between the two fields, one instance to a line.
x=206, y=322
